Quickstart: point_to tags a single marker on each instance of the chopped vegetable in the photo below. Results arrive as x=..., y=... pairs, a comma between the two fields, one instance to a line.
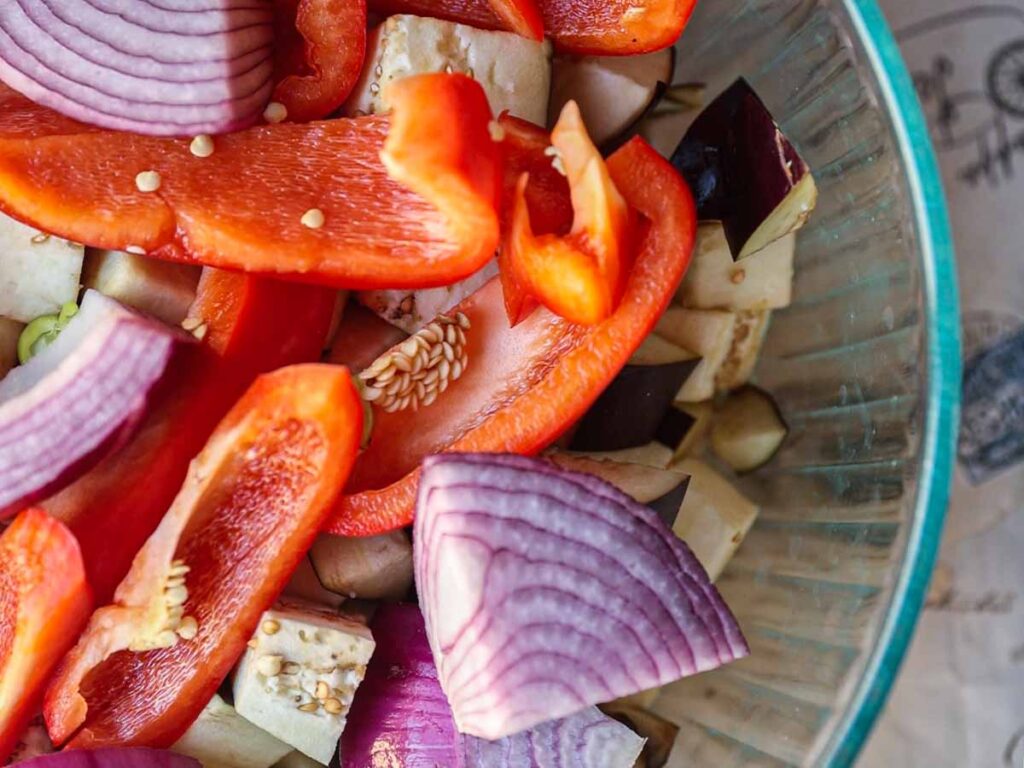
x=745, y=172
x=299, y=674
x=630, y=411
x=412, y=310
x=643, y=482
x=714, y=517
x=763, y=280
x=213, y=73
x=659, y=733
x=306, y=585
x=650, y=455
x=34, y=742
x=253, y=325
x=362, y=337
x=158, y=288
x=400, y=717
x=592, y=739
x=296, y=759
x=579, y=276
x=374, y=568
x=44, y=602
x=10, y=332
x=43, y=331
x=250, y=507
x=613, y=92
x=612, y=27
x=401, y=208
x=521, y=16
x=747, y=337
x=524, y=599
x=318, y=54
x=417, y=371
x=748, y=430
x=514, y=72
x=684, y=428
x=708, y=333
x=78, y=397
x=221, y=738
x=136, y=757
x=657, y=350
x=526, y=385
x=39, y=273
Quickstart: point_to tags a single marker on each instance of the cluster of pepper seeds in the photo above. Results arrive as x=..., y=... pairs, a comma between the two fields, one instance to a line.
x=177, y=625
x=332, y=695
x=415, y=372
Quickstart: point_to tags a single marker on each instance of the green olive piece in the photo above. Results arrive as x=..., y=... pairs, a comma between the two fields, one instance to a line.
x=43, y=331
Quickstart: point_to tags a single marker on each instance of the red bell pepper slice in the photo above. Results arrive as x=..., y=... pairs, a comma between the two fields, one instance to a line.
x=318, y=54
x=401, y=209
x=525, y=385
x=254, y=325
x=249, y=510
x=548, y=201
x=521, y=16
x=598, y=27
x=578, y=276
x=44, y=603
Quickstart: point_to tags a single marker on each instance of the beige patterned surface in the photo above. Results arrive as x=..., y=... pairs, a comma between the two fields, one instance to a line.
x=960, y=699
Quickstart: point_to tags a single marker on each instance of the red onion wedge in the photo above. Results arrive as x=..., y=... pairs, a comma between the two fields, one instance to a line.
x=165, y=69
x=121, y=757
x=78, y=398
x=547, y=591
x=401, y=719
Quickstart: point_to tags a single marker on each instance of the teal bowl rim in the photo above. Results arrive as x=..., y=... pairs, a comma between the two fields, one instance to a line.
x=941, y=419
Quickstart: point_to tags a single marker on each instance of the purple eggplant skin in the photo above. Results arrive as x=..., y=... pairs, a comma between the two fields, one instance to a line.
x=732, y=161
x=631, y=410
x=667, y=506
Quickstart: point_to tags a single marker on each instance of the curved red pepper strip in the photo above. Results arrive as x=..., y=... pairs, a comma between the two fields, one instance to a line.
x=577, y=276
x=253, y=325
x=249, y=510
x=597, y=27
x=400, y=209
x=548, y=201
x=525, y=385
x=44, y=603
x=318, y=54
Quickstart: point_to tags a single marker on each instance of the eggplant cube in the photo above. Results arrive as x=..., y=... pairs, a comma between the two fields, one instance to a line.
x=297, y=679
x=763, y=280
x=744, y=171
x=159, y=288
x=412, y=310
x=306, y=585
x=714, y=517
x=747, y=339
x=221, y=738
x=373, y=567
x=613, y=93
x=629, y=411
x=708, y=333
x=39, y=273
x=514, y=72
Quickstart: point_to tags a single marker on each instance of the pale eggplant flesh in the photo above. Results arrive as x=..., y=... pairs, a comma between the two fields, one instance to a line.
x=748, y=430
x=744, y=171
x=614, y=93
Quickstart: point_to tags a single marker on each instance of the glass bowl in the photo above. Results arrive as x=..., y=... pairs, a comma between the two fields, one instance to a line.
x=865, y=365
